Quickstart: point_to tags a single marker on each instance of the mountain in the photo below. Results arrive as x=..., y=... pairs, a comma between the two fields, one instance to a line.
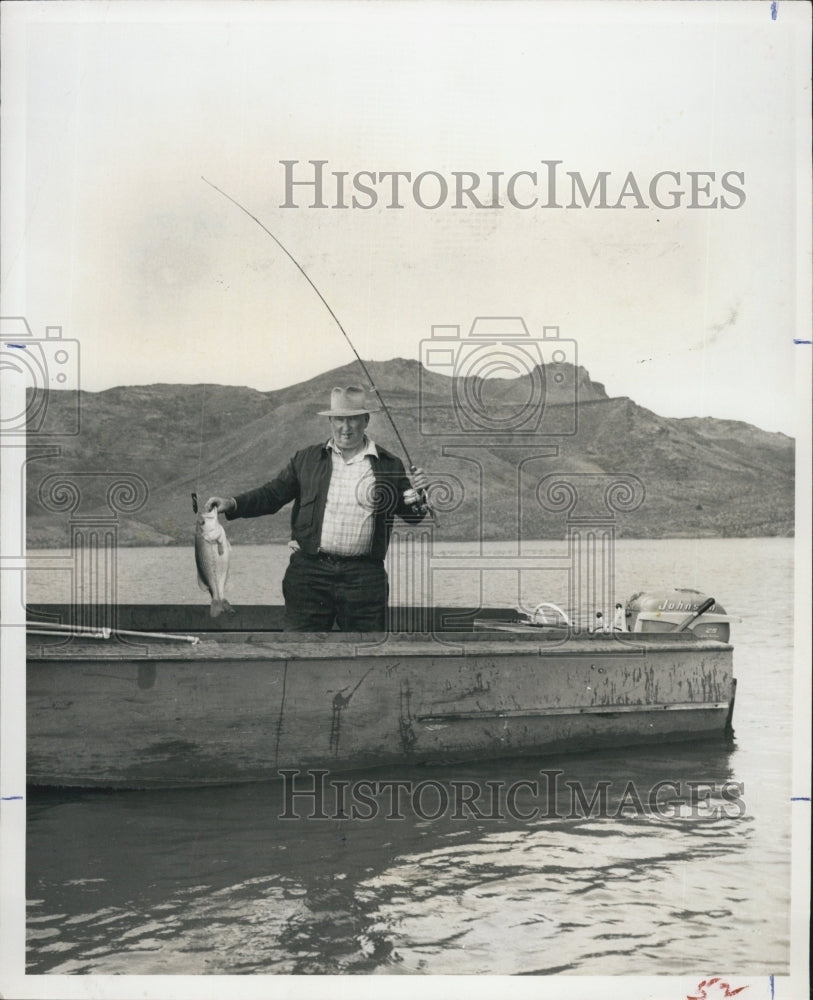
x=701, y=476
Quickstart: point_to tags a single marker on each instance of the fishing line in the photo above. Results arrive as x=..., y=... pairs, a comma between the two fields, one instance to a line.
x=200, y=437
x=304, y=273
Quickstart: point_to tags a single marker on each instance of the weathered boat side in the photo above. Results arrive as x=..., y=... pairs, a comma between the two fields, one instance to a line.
x=243, y=706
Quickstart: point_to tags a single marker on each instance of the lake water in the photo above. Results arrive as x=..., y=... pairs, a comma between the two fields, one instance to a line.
x=213, y=880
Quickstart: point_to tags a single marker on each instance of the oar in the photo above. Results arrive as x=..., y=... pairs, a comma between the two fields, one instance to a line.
x=704, y=607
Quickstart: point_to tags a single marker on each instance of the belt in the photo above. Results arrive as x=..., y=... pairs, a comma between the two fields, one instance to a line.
x=331, y=557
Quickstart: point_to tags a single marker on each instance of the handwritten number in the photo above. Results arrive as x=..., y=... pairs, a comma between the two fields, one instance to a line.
x=702, y=993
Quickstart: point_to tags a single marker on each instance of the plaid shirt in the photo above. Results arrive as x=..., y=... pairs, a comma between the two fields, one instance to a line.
x=347, y=526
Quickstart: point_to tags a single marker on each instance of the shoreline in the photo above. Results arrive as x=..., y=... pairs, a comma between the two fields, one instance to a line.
x=37, y=547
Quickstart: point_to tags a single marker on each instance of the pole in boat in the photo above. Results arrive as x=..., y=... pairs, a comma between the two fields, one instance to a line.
x=704, y=607
x=306, y=276
x=87, y=632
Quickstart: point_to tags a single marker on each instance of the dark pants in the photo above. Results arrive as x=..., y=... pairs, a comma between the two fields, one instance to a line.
x=321, y=589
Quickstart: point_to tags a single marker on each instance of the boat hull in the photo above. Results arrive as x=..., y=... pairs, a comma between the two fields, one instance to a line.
x=246, y=707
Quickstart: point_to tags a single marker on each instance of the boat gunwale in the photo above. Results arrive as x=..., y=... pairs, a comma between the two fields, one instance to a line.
x=321, y=646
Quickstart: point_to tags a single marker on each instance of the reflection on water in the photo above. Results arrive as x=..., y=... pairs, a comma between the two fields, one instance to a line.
x=213, y=881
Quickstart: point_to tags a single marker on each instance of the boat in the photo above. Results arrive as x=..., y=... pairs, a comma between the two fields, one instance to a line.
x=147, y=696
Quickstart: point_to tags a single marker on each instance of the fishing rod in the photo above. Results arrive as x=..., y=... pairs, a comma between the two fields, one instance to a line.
x=306, y=276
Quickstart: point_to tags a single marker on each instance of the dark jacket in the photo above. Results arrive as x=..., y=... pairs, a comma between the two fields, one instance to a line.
x=305, y=480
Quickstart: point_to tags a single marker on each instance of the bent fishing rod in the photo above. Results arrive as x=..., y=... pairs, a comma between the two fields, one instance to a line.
x=306, y=276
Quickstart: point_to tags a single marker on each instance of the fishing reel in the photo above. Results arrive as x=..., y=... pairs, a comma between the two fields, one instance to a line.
x=418, y=502
x=422, y=506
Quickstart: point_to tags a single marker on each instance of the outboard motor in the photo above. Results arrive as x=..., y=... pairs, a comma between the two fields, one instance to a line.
x=665, y=610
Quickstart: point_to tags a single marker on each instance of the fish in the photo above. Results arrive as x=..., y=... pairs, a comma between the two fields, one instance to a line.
x=212, y=557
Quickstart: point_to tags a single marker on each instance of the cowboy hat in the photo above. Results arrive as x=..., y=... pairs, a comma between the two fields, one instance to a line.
x=349, y=402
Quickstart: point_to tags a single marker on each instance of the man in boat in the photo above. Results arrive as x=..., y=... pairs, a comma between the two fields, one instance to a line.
x=346, y=494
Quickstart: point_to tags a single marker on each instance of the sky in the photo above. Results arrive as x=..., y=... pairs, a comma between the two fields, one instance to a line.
x=122, y=109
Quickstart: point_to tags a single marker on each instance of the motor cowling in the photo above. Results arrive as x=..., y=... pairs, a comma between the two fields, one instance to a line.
x=664, y=610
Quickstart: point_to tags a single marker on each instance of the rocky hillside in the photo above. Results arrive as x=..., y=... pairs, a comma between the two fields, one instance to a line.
x=487, y=443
